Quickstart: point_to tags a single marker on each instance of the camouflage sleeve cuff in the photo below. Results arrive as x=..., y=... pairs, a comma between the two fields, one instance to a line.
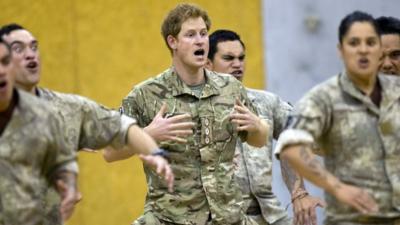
x=71, y=166
x=121, y=140
x=291, y=137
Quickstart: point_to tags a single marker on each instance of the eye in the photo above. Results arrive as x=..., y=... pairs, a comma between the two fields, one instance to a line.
x=17, y=48
x=371, y=42
x=34, y=47
x=6, y=60
x=395, y=55
x=203, y=33
x=190, y=34
x=241, y=58
x=228, y=57
x=353, y=42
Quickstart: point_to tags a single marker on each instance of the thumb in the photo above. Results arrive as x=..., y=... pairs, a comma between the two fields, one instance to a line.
x=321, y=203
x=162, y=111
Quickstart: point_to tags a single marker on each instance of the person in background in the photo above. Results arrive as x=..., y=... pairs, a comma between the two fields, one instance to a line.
x=353, y=120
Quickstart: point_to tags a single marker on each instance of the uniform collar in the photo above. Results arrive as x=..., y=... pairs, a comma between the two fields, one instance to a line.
x=178, y=87
x=349, y=88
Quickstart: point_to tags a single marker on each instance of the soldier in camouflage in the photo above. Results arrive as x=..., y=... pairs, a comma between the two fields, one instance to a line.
x=351, y=119
x=85, y=123
x=32, y=155
x=390, y=36
x=254, y=174
x=205, y=189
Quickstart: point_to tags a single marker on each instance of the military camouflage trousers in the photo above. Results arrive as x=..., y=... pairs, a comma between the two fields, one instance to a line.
x=150, y=219
x=372, y=222
x=259, y=219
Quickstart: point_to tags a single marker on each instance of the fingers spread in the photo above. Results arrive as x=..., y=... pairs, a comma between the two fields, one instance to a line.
x=180, y=118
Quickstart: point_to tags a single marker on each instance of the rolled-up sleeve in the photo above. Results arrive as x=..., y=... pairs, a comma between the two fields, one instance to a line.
x=306, y=124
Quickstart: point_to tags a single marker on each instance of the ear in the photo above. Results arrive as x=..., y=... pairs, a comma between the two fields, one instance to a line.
x=340, y=50
x=172, y=42
x=209, y=65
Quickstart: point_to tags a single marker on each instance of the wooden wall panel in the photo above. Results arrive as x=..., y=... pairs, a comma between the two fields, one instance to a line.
x=100, y=49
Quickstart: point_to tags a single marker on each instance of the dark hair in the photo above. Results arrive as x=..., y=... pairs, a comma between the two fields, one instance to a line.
x=172, y=23
x=8, y=28
x=221, y=36
x=356, y=16
x=388, y=25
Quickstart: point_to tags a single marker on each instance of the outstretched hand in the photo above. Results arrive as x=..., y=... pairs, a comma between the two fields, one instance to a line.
x=244, y=119
x=304, y=210
x=173, y=128
x=357, y=198
x=162, y=168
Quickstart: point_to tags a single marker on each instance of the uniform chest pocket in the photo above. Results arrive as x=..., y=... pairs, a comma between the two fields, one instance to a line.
x=354, y=126
x=223, y=129
x=29, y=150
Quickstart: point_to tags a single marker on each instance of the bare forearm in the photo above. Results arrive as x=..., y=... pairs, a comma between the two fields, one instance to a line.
x=292, y=179
x=259, y=137
x=112, y=155
x=139, y=142
x=151, y=130
x=303, y=161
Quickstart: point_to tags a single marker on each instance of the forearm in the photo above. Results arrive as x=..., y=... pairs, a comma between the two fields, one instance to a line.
x=258, y=138
x=139, y=142
x=303, y=161
x=292, y=179
x=111, y=155
x=151, y=131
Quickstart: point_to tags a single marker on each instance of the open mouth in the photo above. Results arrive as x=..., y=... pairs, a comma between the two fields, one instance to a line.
x=363, y=62
x=3, y=85
x=199, y=52
x=32, y=65
x=237, y=73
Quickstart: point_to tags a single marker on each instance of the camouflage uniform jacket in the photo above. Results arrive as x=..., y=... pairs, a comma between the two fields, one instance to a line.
x=86, y=124
x=255, y=164
x=204, y=173
x=359, y=141
x=31, y=150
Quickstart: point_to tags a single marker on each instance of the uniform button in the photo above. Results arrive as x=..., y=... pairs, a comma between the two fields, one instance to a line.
x=206, y=122
x=207, y=140
x=207, y=131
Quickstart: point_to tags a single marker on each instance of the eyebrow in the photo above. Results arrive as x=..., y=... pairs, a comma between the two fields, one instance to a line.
x=20, y=42
x=231, y=54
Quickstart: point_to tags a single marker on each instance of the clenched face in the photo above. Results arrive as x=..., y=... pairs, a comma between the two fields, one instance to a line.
x=26, y=57
x=190, y=47
x=361, y=51
x=391, y=54
x=229, y=59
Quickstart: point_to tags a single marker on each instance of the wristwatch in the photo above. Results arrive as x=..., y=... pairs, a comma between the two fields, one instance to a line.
x=160, y=152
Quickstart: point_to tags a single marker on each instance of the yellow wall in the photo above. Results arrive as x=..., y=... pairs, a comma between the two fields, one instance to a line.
x=100, y=49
